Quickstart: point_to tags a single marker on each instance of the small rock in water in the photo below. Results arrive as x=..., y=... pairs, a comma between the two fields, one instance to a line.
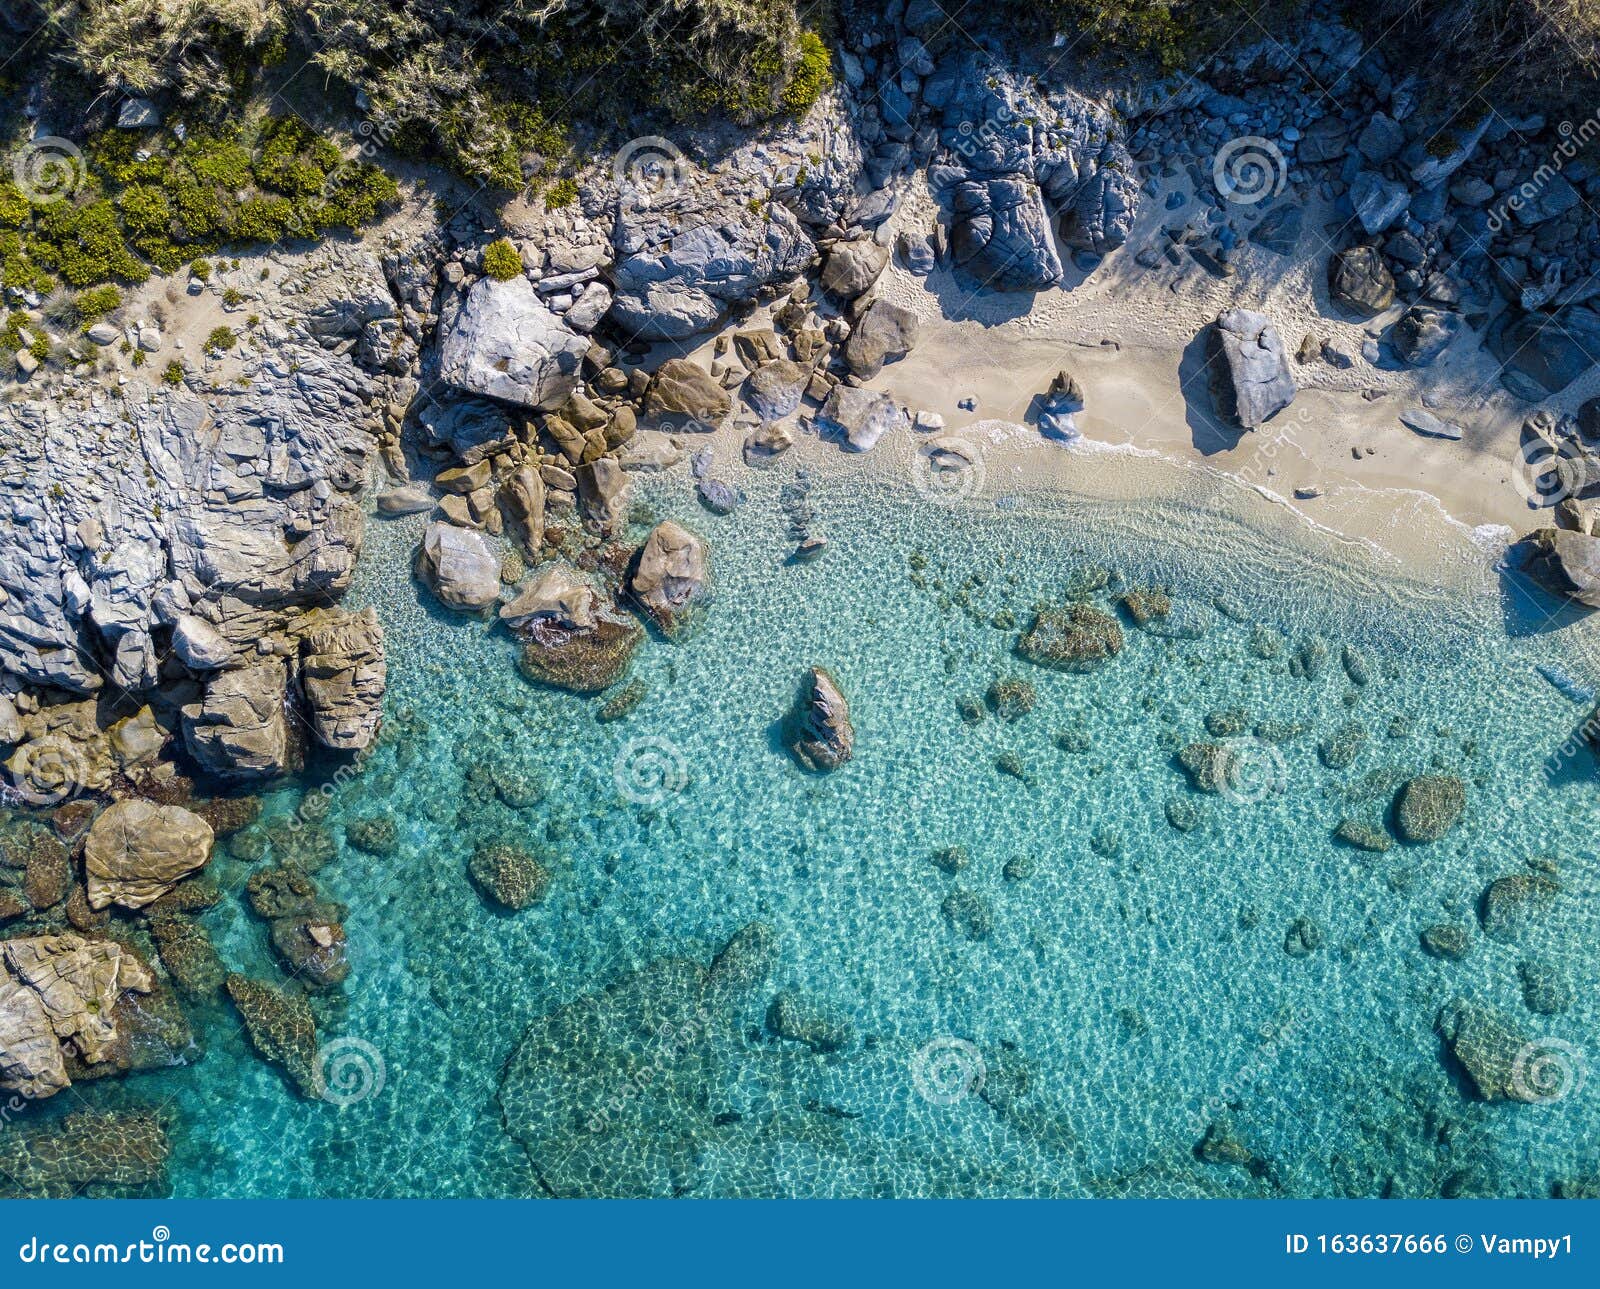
x=951, y=859
x=1545, y=990
x=968, y=913
x=1303, y=938
x=718, y=497
x=1448, y=940
x=1363, y=835
x=1428, y=807
x=1512, y=906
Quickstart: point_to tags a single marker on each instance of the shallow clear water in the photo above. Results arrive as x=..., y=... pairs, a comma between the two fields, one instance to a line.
x=1134, y=988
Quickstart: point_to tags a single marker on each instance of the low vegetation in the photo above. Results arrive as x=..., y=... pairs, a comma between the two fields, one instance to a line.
x=488, y=87
x=145, y=200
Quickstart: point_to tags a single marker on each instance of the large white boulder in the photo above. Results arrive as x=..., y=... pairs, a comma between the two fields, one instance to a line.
x=502, y=342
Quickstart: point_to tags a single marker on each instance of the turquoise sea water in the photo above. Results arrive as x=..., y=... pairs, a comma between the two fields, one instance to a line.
x=1134, y=986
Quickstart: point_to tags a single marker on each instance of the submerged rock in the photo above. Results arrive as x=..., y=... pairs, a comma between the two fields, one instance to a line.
x=1512, y=906
x=1078, y=638
x=807, y=1020
x=281, y=1028
x=1448, y=940
x=137, y=851
x=968, y=914
x=1208, y=765
x=1428, y=807
x=819, y=732
x=509, y=875
x=1363, y=835
x=671, y=581
x=1546, y=991
x=85, y=1149
x=1339, y=750
x=1487, y=1046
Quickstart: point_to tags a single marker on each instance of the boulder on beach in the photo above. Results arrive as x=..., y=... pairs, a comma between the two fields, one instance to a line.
x=774, y=389
x=684, y=396
x=883, y=333
x=819, y=732
x=860, y=416
x=1360, y=281
x=504, y=343
x=1254, y=383
x=671, y=581
x=852, y=267
x=137, y=851
x=457, y=565
x=1565, y=563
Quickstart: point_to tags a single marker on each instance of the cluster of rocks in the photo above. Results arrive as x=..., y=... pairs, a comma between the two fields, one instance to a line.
x=1442, y=214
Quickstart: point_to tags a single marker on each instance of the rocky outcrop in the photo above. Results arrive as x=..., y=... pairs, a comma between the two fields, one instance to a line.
x=457, y=565
x=1253, y=382
x=137, y=851
x=572, y=637
x=860, y=416
x=1002, y=237
x=819, y=732
x=671, y=581
x=1565, y=563
x=501, y=342
x=59, y=997
x=1059, y=408
x=883, y=333
x=343, y=675
x=685, y=255
x=116, y=519
x=1424, y=332
x=240, y=729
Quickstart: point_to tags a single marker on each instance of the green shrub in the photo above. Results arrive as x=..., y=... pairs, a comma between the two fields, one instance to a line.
x=174, y=373
x=811, y=77
x=96, y=302
x=221, y=338
x=501, y=260
x=564, y=192
x=201, y=269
